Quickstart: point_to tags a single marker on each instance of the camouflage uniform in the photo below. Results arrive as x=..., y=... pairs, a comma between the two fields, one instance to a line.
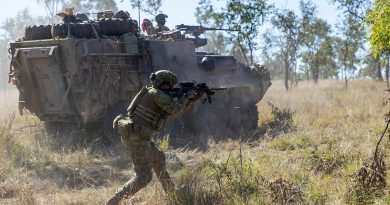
x=147, y=27
x=161, y=28
x=160, y=19
x=147, y=114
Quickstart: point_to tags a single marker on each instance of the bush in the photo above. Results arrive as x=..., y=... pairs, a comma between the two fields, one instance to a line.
x=283, y=191
x=282, y=122
x=369, y=182
x=235, y=181
x=191, y=190
x=326, y=161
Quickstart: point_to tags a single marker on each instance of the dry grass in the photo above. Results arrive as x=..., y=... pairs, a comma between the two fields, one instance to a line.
x=335, y=133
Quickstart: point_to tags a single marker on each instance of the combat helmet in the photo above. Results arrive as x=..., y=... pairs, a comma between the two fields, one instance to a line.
x=160, y=18
x=162, y=76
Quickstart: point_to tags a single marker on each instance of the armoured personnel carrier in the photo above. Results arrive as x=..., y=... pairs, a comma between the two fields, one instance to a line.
x=81, y=75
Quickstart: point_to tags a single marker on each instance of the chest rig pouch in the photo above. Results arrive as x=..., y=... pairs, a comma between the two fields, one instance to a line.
x=123, y=125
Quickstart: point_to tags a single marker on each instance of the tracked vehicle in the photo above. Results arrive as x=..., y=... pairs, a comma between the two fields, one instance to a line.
x=82, y=75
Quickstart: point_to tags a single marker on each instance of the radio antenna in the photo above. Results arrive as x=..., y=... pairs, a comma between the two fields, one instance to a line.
x=139, y=13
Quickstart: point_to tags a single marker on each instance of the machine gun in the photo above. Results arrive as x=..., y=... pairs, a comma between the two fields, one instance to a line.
x=200, y=88
x=197, y=30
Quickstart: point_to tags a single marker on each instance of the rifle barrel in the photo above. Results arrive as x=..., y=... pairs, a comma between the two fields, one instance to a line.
x=218, y=88
x=188, y=27
x=218, y=29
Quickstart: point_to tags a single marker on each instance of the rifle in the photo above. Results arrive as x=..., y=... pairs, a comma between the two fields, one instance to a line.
x=197, y=30
x=185, y=87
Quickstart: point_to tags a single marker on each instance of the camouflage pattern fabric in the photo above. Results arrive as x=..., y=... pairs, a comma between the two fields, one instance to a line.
x=135, y=135
x=167, y=104
x=147, y=26
x=150, y=30
x=161, y=19
x=146, y=157
x=159, y=106
x=161, y=28
x=163, y=76
x=122, y=125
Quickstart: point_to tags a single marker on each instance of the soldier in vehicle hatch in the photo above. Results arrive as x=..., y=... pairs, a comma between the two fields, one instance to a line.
x=147, y=26
x=160, y=19
x=147, y=114
x=68, y=16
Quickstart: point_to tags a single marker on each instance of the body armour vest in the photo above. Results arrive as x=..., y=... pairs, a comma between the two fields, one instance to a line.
x=145, y=112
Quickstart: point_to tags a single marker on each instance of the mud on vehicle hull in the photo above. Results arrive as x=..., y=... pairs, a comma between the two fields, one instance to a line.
x=90, y=80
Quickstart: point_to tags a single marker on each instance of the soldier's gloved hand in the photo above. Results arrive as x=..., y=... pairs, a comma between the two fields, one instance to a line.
x=191, y=94
x=194, y=95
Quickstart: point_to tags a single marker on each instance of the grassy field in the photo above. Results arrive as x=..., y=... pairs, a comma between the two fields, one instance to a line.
x=332, y=134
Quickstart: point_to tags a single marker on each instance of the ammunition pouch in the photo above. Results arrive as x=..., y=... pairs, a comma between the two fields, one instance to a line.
x=115, y=122
x=123, y=125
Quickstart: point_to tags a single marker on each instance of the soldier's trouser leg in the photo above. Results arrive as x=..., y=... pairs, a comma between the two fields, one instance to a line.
x=159, y=167
x=141, y=157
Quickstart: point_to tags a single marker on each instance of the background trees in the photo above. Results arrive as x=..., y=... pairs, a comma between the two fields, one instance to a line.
x=53, y=7
x=150, y=7
x=84, y=6
x=378, y=21
x=245, y=17
x=12, y=29
x=288, y=41
x=348, y=44
x=298, y=45
x=315, y=32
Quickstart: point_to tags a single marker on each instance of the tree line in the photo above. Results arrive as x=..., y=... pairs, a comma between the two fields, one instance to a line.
x=299, y=45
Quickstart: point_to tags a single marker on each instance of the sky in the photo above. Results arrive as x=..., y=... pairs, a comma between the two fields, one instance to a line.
x=178, y=11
